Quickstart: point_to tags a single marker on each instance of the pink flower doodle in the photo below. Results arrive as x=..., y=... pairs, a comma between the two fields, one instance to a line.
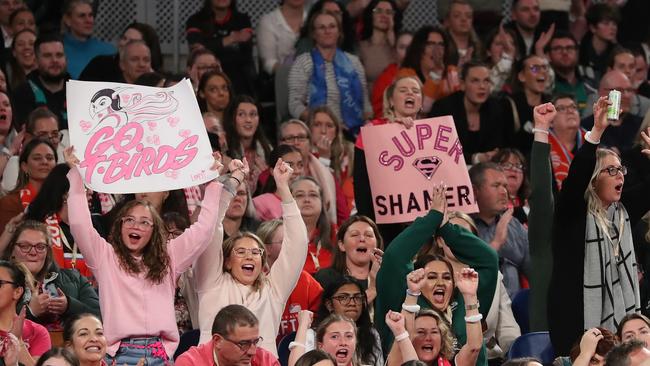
x=152, y=125
x=184, y=133
x=173, y=121
x=153, y=140
x=171, y=174
x=85, y=126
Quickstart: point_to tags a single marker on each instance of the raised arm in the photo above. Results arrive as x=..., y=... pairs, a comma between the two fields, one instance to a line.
x=298, y=347
x=209, y=265
x=467, y=283
x=588, y=345
x=8, y=231
x=635, y=198
x=91, y=245
x=402, y=350
x=286, y=270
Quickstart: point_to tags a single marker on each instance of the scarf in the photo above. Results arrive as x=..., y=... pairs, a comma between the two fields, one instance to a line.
x=611, y=285
x=348, y=83
x=27, y=195
x=561, y=157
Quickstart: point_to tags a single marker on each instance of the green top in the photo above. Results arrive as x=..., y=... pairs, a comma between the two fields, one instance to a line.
x=398, y=262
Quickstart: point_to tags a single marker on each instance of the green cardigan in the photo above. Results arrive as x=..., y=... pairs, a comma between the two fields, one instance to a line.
x=398, y=262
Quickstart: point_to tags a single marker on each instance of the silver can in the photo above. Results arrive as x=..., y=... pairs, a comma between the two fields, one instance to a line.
x=614, y=109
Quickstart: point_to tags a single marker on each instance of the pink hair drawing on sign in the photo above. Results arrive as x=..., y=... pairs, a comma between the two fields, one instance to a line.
x=115, y=107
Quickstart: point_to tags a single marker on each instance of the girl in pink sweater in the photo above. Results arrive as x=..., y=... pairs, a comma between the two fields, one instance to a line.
x=137, y=273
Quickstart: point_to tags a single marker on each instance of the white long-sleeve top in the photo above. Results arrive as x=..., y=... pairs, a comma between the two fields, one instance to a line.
x=275, y=39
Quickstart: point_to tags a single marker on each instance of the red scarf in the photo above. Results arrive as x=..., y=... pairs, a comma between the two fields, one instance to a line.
x=561, y=157
x=70, y=260
x=27, y=195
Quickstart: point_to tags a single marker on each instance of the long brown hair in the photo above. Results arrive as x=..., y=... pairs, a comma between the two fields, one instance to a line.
x=154, y=256
x=339, y=147
x=338, y=263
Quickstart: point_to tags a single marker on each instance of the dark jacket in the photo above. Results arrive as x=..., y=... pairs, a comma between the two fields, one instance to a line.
x=103, y=68
x=519, y=40
x=32, y=94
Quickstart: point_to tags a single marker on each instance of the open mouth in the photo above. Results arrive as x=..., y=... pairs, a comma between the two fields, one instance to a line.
x=409, y=103
x=248, y=268
x=439, y=295
x=134, y=238
x=427, y=348
x=362, y=250
x=342, y=353
x=93, y=349
x=619, y=188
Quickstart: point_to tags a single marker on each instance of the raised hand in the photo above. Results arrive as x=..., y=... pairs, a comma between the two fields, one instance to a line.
x=324, y=146
x=18, y=322
x=58, y=305
x=543, y=40
x=645, y=135
x=600, y=114
x=376, y=258
x=467, y=282
x=12, y=350
x=543, y=115
x=589, y=341
x=395, y=321
x=501, y=230
x=70, y=158
x=415, y=280
x=305, y=318
x=439, y=201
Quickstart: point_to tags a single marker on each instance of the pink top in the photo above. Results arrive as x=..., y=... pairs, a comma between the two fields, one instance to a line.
x=131, y=305
x=36, y=337
x=202, y=356
x=268, y=206
x=217, y=288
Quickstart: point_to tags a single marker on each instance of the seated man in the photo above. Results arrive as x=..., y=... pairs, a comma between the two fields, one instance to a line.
x=235, y=335
x=495, y=225
x=630, y=353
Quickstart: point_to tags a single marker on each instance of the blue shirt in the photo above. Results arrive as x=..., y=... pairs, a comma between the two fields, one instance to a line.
x=79, y=53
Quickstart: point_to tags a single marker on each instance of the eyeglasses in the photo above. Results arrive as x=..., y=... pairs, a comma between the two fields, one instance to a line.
x=297, y=138
x=566, y=108
x=130, y=222
x=511, y=166
x=246, y=344
x=345, y=299
x=383, y=11
x=54, y=135
x=613, y=170
x=173, y=234
x=538, y=68
x=3, y=282
x=564, y=48
x=27, y=247
x=241, y=252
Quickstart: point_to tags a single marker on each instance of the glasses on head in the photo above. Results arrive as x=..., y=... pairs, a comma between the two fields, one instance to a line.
x=383, y=11
x=345, y=299
x=129, y=222
x=511, y=166
x=296, y=138
x=566, y=108
x=538, y=68
x=613, y=170
x=241, y=252
x=570, y=48
x=54, y=135
x=246, y=344
x=4, y=282
x=27, y=247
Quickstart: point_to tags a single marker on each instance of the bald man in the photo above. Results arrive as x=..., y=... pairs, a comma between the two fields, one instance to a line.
x=621, y=133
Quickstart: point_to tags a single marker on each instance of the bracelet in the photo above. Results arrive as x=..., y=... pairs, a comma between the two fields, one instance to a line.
x=474, y=318
x=237, y=179
x=293, y=345
x=414, y=294
x=472, y=306
x=402, y=336
x=411, y=308
x=588, y=138
x=535, y=130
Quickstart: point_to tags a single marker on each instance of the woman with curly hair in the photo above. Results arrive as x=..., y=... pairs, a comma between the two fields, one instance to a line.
x=138, y=271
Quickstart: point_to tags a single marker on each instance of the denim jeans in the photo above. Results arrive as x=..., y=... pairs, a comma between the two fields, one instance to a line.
x=133, y=349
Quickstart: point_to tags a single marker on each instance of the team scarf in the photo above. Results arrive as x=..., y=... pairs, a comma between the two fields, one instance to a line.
x=348, y=83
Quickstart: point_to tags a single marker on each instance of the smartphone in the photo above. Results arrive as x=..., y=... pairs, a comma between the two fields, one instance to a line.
x=51, y=290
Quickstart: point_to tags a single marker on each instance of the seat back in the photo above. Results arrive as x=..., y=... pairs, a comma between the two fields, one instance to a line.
x=535, y=344
x=187, y=341
x=283, y=348
x=520, y=310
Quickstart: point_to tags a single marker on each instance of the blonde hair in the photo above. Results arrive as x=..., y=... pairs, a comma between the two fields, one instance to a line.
x=446, y=338
x=388, y=109
x=594, y=203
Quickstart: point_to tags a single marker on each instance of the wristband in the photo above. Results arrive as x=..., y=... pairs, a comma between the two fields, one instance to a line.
x=535, y=130
x=414, y=294
x=402, y=336
x=588, y=138
x=472, y=306
x=237, y=179
x=474, y=318
x=293, y=345
x=411, y=308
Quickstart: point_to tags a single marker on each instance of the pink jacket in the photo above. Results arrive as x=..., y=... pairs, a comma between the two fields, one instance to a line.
x=202, y=356
x=131, y=305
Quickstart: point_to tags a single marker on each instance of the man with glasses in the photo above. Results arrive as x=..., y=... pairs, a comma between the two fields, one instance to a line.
x=235, y=339
x=41, y=124
x=621, y=133
x=563, y=57
x=565, y=137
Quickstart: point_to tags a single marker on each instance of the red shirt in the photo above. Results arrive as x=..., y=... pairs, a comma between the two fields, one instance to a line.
x=36, y=337
x=201, y=355
x=305, y=296
x=318, y=258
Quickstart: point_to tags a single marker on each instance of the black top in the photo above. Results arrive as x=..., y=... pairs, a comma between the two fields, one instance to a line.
x=523, y=136
x=521, y=45
x=496, y=123
x=236, y=60
x=103, y=68
x=565, y=299
x=25, y=101
x=621, y=137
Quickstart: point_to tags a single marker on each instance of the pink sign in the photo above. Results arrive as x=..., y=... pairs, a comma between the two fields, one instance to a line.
x=404, y=164
x=134, y=139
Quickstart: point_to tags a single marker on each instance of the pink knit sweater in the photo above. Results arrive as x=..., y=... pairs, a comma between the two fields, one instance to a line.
x=131, y=305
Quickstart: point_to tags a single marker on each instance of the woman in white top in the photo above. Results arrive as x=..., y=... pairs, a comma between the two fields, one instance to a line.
x=277, y=33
